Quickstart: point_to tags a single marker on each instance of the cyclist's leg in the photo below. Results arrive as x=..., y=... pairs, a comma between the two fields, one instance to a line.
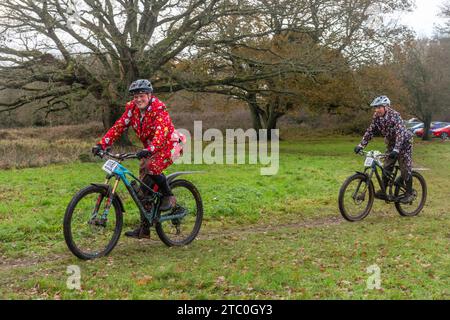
x=388, y=168
x=162, y=183
x=154, y=167
x=150, y=171
x=405, y=163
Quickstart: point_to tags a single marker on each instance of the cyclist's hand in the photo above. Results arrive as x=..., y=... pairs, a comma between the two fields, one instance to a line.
x=96, y=150
x=393, y=155
x=358, y=149
x=143, y=154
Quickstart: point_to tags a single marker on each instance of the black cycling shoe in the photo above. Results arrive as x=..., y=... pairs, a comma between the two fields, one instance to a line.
x=141, y=232
x=407, y=198
x=409, y=195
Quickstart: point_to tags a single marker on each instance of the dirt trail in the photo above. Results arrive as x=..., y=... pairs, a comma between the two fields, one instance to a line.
x=7, y=264
x=269, y=227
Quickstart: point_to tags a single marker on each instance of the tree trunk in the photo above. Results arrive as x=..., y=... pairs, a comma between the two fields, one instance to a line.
x=111, y=113
x=254, y=113
x=264, y=119
x=426, y=128
x=272, y=115
x=271, y=124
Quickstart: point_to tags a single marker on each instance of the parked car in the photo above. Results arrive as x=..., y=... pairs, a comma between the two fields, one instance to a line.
x=412, y=122
x=442, y=133
x=419, y=132
x=434, y=125
x=419, y=126
x=413, y=126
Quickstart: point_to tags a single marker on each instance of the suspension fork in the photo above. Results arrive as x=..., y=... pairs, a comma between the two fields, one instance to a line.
x=369, y=177
x=109, y=201
x=99, y=199
x=104, y=218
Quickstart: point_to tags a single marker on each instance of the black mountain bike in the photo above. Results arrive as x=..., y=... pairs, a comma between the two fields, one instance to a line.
x=94, y=217
x=357, y=193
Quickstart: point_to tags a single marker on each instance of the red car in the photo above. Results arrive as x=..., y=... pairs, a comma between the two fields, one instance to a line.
x=434, y=126
x=419, y=132
x=442, y=133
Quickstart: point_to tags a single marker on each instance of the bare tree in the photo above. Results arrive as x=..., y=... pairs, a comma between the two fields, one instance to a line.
x=425, y=68
x=444, y=29
x=99, y=46
x=307, y=39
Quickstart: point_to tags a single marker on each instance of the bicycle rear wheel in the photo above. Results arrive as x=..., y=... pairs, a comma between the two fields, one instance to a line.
x=85, y=233
x=420, y=197
x=182, y=231
x=356, y=197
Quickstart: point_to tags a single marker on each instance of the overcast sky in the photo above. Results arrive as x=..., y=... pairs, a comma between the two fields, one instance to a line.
x=424, y=17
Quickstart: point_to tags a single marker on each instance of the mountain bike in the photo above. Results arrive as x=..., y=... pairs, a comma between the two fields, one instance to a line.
x=94, y=217
x=357, y=193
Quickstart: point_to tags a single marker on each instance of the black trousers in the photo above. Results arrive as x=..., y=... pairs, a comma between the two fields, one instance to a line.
x=161, y=181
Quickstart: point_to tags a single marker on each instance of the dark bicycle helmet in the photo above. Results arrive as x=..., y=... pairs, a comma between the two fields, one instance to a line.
x=140, y=86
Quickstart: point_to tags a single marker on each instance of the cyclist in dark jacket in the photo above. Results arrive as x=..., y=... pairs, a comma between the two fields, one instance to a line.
x=399, y=140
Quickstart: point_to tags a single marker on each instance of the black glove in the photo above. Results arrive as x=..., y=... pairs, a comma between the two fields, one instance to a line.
x=393, y=155
x=358, y=149
x=143, y=154
x=96, y=150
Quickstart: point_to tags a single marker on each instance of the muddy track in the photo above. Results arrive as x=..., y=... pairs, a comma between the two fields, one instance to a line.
x=269, y=228
x=8, y=264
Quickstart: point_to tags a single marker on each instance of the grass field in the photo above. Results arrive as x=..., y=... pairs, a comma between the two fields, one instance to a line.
x=263, y=237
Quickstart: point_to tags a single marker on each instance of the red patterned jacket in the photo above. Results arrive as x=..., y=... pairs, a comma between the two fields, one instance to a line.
x=155, y=130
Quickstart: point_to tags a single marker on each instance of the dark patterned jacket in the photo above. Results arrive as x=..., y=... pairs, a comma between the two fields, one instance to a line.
x=392, y=128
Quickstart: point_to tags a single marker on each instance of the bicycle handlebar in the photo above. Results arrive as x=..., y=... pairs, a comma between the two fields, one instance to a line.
x=365, y=153
x=117, y=156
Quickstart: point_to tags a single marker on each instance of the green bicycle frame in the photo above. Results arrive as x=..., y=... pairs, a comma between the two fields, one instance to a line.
x=121, y=173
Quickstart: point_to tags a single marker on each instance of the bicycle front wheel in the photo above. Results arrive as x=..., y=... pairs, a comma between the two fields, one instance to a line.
x=87, y=235
x=356, y=197
x=182, y=231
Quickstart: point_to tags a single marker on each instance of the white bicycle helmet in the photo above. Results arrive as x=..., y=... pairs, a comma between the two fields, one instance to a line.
x=381, y=101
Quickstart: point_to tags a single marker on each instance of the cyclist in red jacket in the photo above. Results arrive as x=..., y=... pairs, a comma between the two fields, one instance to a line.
x=151, y=122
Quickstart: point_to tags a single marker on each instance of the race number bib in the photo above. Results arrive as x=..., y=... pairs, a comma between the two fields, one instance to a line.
x=110, y=166
x=368, y=162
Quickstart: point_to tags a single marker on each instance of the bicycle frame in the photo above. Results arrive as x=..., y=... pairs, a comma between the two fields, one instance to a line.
x=121, y=173
x=390, y=178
